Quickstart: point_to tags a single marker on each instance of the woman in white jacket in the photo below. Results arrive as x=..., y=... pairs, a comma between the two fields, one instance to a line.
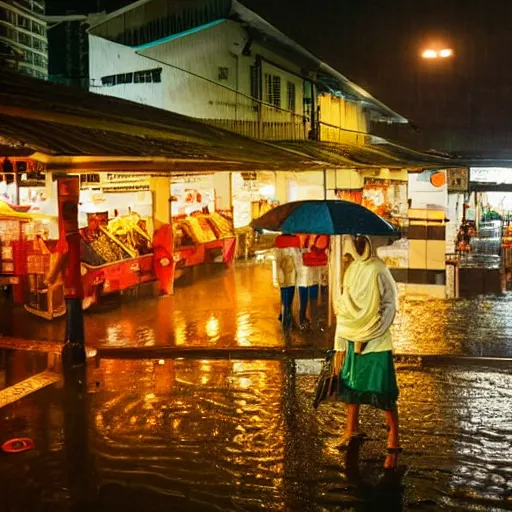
x=365, y=311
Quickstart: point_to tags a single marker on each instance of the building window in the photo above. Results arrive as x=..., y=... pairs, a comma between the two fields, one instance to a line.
x=223, y=73
x=149, y=76
x=23, y=22
x=28, y=57
x=108, y=80
x=24, y=39
x=138, y=77
x=38, y=60
x=38, y=29
x=290, y=96
x=255, y=89
x=38, y=45
x=273, y=89
x=124, y=78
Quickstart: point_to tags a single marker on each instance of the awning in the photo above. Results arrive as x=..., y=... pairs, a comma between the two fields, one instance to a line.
x=369, y=155
x=66, y=127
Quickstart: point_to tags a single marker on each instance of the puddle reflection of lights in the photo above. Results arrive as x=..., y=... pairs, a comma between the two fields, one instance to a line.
x=212, y=327
x=180, y=331
x=243, y=330
x=244, y=382
x=205, y=365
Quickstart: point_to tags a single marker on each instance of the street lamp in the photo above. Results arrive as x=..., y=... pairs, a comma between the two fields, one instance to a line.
x=445, y=53
x=430, y=53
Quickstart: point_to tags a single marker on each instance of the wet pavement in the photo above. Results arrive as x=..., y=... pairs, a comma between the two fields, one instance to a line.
x=242, y=435
x=228, y=433
x=216, y=308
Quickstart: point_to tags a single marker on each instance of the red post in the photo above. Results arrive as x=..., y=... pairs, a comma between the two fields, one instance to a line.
x=68, y=194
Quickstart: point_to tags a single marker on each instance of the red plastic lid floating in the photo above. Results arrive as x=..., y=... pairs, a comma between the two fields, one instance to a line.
x=18, y=445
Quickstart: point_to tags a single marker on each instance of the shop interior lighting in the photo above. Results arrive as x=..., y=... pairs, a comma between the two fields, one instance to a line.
x=267, y=191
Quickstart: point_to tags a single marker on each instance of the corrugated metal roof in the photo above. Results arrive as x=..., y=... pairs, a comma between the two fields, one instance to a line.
x=61, y=121
x=346, y=155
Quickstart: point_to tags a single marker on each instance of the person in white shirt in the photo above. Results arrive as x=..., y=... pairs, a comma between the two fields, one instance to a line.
x=287, y=255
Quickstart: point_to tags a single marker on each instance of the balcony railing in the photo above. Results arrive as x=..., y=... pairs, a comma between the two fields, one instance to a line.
x=219, y=105
x=259, y=120
x=330, y=133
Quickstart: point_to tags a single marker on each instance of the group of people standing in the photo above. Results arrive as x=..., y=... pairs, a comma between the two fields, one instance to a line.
x=300, y=262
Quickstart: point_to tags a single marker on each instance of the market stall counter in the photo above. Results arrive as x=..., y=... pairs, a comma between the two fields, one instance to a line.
x=204, y=238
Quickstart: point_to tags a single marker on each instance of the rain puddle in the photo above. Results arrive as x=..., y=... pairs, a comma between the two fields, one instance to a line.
x=17, y=365
x=237, y=435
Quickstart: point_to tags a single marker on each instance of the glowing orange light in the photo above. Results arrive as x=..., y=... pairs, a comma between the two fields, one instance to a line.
x=446, y=52
x=429, y=54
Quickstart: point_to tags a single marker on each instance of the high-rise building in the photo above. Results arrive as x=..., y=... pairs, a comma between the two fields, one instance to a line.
x=23, y=39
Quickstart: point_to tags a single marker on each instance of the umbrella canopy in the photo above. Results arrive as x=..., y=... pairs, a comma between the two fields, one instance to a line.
x=328, y=217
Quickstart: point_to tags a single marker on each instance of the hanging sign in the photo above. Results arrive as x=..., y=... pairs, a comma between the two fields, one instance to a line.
x=68, y=193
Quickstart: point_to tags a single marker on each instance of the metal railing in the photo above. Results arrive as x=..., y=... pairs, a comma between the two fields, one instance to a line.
x=222, y=106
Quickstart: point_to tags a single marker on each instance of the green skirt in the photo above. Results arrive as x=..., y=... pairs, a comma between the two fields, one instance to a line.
x=369, y=379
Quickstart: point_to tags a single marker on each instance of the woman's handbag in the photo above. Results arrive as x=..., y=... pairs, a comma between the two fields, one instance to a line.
x=328, y=384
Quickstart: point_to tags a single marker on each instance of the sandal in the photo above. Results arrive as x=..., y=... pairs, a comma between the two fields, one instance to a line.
x=348, y=441
x=393, y=451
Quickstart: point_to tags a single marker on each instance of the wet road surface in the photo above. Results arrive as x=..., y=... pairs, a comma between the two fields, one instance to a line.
x=242, y=435
x=220, y=308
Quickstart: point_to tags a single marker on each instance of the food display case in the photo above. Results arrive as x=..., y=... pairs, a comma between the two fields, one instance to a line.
x=204, y=238
x=119, y=256
x=13, y=247
x=12, y=261
x=115, y=255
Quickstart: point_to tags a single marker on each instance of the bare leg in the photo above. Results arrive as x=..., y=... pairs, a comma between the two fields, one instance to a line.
x=352, y=426
x=351, y=433
x=393, y=439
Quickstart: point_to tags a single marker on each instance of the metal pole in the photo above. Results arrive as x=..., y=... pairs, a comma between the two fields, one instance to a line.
x=74, y=349
x=73, y=352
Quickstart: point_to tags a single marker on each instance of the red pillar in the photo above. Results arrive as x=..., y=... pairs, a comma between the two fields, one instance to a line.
x=68, y=193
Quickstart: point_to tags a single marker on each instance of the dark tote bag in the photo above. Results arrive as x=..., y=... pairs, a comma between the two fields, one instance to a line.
x=328, y=384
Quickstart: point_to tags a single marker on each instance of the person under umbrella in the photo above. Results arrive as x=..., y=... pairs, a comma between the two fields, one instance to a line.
x=287, y=255
x=365, y=310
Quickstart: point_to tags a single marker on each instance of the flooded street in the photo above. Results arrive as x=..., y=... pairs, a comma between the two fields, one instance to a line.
x=239, y=308
x=227, y=433
x=242, y=435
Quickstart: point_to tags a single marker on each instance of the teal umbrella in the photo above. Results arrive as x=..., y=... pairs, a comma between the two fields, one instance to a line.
x=324, y=217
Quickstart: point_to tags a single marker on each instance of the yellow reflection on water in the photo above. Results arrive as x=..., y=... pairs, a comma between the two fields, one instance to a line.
x=180, y=329
x=212, y=328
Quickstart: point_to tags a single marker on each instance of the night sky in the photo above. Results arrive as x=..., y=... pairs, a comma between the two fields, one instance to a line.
x=462, y=103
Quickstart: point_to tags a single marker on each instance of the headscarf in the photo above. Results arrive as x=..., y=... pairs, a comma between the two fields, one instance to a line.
x=358, y=308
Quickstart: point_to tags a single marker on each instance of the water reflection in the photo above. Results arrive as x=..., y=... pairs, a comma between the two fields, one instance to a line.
x=208, y=426
x=242, y=435
x=240, y=309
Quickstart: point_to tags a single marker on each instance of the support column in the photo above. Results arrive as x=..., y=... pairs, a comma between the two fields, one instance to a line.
x=223, y=192
x=161, y=190
x=282, y=187
x=69, y=246
x=163, y=240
